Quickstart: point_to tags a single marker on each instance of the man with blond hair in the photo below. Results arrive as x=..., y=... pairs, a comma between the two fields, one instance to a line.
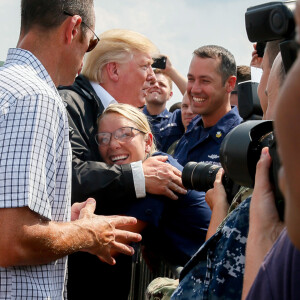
x=118, y=70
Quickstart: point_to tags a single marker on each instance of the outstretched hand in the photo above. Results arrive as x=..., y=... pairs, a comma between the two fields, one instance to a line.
x=105, y=232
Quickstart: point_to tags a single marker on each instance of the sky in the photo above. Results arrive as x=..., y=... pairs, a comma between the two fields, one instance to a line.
x=176, y=27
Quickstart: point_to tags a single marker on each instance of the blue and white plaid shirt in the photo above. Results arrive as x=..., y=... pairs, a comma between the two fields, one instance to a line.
x=35, y=165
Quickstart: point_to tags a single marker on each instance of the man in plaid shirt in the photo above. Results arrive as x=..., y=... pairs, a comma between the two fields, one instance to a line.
x=38, y=226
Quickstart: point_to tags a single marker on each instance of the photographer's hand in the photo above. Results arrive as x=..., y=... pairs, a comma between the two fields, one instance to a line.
x=256, y=61
x=217, y=200
x=264, y=223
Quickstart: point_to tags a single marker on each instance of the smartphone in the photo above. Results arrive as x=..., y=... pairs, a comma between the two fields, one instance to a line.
x=159, y=63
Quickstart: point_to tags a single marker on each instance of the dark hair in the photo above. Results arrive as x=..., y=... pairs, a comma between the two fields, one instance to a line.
x=49, y=14
x=227, y=65
x=243, y=73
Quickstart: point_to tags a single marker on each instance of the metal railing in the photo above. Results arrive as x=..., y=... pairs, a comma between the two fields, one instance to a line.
x=142, y=275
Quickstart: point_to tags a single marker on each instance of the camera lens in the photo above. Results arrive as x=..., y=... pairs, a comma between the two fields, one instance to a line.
x=199, y=176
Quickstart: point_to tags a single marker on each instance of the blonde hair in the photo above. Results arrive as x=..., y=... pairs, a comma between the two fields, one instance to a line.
x=134, y=115
x=116, y=45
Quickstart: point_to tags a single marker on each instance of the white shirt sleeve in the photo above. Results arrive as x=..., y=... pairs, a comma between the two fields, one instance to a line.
x=138, y=179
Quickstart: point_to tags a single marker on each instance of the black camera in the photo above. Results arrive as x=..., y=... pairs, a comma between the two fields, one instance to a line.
x=249, y=104
x=159, y=62
x=274, y=21
x=201, y=177
x=239, y=154
x=270, y=21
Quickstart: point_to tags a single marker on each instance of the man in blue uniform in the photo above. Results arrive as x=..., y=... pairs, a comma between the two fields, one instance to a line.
x=211, y=78
x=164, y=124
x=158, y=94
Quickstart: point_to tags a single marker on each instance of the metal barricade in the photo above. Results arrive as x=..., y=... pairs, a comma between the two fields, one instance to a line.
x=141, y=274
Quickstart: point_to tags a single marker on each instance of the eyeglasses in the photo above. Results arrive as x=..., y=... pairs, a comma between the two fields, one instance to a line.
x=122, y=134
x=93, y=42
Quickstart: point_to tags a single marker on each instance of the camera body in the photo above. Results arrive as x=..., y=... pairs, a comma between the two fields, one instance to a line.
x=249, y=104
x=270, y=21
x=239, y=153
x=274, y=21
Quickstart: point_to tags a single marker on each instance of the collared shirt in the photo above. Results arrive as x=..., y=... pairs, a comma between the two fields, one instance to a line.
x=136, y=167
x=106, y=97
x=35, y=165
x=156, y=122
x=201, y=144
x=170, y=131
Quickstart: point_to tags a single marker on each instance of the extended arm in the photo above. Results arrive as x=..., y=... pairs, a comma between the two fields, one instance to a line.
x=28, y=239
x=176, y=77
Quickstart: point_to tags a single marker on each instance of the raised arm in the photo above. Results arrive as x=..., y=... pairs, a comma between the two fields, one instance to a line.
x=176, y=77
x=264, y=223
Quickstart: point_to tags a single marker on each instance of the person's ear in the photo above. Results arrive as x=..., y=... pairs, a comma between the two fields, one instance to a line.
x=230, y=84
x=149, y=142
x=170, y=95
x=112, y=71
x=72, y=28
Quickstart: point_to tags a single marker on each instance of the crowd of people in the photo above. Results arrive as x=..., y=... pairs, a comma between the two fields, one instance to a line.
x=91, y=166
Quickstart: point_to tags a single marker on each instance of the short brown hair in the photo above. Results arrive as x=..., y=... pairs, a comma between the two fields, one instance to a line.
x=159, y=71
x=227, y=65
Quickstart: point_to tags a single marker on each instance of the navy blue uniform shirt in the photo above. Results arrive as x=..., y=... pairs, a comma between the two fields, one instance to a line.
x=156, y=120
x=170, y=131
x=181, y=224
x=166, y=127
x=201, y=144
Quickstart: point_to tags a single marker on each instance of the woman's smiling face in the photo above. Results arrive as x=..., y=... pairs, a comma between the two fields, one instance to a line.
x=122, y=152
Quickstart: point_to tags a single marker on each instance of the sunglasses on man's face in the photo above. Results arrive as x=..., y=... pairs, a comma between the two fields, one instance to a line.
x=94, y=41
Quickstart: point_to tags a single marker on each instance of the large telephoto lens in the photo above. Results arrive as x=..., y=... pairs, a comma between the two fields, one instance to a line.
x=199, y=176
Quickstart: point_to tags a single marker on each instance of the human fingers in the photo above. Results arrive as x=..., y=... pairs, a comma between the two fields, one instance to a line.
x=114, y=247
x=75, y=210
x=219, y=176
x=161, y=158
x=107, y=258
x=175, y=187
x=171, y=173
x=88, y=210
x=209, y=195
x=122, y=248
x=264, y=217
x=126, y=236
x=262, y=180
x=119, y=221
